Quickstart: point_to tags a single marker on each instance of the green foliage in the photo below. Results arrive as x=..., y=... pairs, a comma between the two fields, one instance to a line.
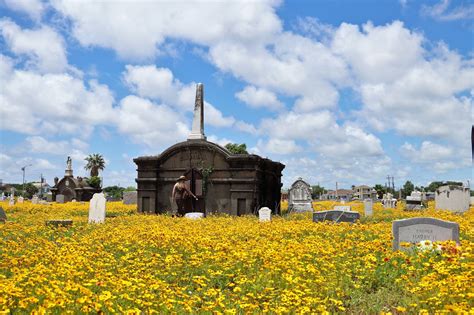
x=407, y=189
x=237, y=148
x=130, y=188
x=114, y=191
x=95, y=162
x=94, y=181
x=380, y=190
x=435, y=185
x=317, y=191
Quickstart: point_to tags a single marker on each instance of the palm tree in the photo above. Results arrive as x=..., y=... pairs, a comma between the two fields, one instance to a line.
x=95, y=162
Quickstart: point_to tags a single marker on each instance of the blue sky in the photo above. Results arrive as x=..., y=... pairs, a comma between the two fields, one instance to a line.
x=346, y=91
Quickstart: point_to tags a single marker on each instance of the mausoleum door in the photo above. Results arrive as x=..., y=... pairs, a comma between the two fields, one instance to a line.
x=68, y=195
x=194, y=183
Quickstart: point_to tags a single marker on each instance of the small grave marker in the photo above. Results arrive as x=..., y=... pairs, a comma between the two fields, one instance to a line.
x=415, y=230
x=97, y=208
x=35, y=200
x=194, y=215
x=20, y=199
x=130, y=198
x=336, y=216
x=265, y=214
x=342, y=208
x=60, y=198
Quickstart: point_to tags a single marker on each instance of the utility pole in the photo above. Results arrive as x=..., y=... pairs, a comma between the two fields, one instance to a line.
x=41, y=185
x=23, y=169
x=336, y=192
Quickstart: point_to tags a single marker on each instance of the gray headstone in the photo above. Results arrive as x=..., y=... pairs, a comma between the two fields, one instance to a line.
x=130, y=198
x=3, y=215
x=60, y=198
x=336, y=216
x=299, y=197
x=194, y=215
x=97, y=208
x=57, y=223
x=368, y=207
x=415, y=230
x=264, y=214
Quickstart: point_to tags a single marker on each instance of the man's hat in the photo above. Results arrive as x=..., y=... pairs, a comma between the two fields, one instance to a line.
x=182, y=178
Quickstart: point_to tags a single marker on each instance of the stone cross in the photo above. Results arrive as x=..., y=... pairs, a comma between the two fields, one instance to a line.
x=97, y=208
x=197, y=133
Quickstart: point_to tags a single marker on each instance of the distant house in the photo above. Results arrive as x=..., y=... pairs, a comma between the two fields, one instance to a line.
x=340, y=194
x=43, y=188
x=363, y=192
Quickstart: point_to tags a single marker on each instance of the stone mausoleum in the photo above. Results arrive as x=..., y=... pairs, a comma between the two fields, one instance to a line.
x=72, y=187
x=223, y=182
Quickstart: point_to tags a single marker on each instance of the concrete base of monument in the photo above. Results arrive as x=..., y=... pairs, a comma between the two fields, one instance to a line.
x=301, y=207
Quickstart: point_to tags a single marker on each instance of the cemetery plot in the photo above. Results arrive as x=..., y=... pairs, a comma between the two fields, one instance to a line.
x=157, y=263
x=336, y=216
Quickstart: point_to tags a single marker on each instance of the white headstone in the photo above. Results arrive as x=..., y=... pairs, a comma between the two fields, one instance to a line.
x=194, y=215
x=368, y=207
x=264, y=214
x=12, y=200
x=342, y=208
x=35, y=200
x=97, y=208
x=20, y=199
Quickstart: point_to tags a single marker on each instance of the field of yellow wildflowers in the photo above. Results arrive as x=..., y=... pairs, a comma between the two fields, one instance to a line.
x=159, y=264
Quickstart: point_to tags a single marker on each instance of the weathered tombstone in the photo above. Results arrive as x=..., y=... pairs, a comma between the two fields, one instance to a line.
x=11, y=202
x=414, y=201
x=342, y=208
x=368, y=207
x=299, y=197
x=35, y=200
x=194, y=215
x=453, y=198
x=20, y=199
x=74, y=200
x=129, y=197
x=97, y=208
x=264, y=214
x=415, y=230
x=57, y=223
x=60, y=198
x=3, y=215
x=336, y=216
x=388, y=201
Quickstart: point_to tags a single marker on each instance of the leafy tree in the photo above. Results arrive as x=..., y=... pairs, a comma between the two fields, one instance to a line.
x=130, y=188
x=94, y=181
x=317, y=191
x=380, y=189
x=237, y=148
x=435, y=185
x=30, y=190
x=95, y=162
x=407, y=189
x=114, y=191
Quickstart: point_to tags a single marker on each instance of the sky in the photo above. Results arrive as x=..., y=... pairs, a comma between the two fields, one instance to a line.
x=338, y=91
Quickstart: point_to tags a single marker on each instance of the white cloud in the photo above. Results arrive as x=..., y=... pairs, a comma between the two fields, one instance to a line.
x=220, y=141
x=114, y=24
x=441, y=12
x=38, y=144
x=378, y=54
x=62, y=103
x=43, y=46
x=246, y=127
x=33, y=8
x=278, y=146
x=145, y=122
x=160, y=84
x=259, y=97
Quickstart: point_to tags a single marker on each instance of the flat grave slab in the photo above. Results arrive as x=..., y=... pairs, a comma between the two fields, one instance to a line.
x=336, y=216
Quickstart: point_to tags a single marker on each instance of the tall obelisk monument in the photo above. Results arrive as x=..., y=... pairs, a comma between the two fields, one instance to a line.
x=197, y=133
